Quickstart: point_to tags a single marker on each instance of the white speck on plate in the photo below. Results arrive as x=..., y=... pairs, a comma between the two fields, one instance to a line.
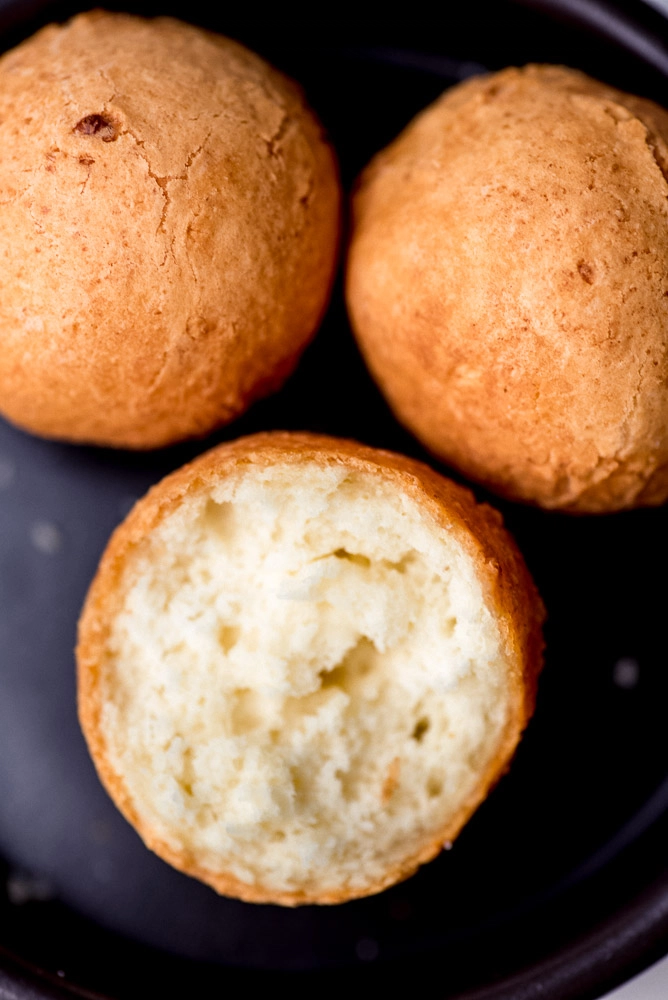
x=46, y=537
x=7, y=473
x=103, y=870
x=367, y=949
x=100, y=831
x=626, y=673
x=25, y=888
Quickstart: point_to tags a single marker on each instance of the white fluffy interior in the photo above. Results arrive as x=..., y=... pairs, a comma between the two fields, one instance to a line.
x=304, y=683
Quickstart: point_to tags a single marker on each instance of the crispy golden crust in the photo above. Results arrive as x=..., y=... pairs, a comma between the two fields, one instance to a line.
x=507, y=284
x=507, y=585
x=169, y=222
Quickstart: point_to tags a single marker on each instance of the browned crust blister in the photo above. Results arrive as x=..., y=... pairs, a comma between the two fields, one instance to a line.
x=508, y=589
x=507, y=281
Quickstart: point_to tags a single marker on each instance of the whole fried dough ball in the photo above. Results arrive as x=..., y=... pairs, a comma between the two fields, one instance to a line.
x=302, y=665
x=168, y=230
x=508, y=283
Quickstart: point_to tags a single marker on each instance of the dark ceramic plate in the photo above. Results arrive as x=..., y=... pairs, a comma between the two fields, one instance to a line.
x=558, y=888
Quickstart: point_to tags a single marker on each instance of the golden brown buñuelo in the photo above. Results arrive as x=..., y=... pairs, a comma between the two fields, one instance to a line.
x=508, y=593
x=507, y=281
x=169, y=223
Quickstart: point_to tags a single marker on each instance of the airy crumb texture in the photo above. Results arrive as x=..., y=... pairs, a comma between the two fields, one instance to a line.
x=169, y=218
x=302, y=665
x=507, y=281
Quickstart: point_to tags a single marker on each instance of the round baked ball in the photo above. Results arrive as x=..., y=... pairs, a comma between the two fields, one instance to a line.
x=302, y=665
x=508, y=283
x=169, y=224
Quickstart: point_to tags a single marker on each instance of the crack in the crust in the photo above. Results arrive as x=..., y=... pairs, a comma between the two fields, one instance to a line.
x=635, y=397
x=306, y=197
x=169, y=251
x=180, y=177
x=616, y=462
x=110, y=83
x=66, y=92
x=85, y=183
x=189, y=227
x=37, y=224
x=160, y=372
x=653, y=141
x=617, y=112
x=192, y=157
x=69, y=98
x=618, y=459
x=648, y=476
x=660, y=159
x=273, y=143
x=162, y=184
x=164, y=180
x=274, y=148
x=160, y=181
x=28, y=193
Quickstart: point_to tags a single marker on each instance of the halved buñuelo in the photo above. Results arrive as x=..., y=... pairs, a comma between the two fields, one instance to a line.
x=302, y=665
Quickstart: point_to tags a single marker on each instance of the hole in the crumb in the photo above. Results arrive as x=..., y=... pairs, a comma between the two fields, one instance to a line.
x=421, y=727
x=298, y=783
x=434, y=787
x=358, y=662
x=246, y=712
x=391, y=780
x=353, y=557
x=97, y=125
x=334, y=677
x=347, y=784
x=401, y=565
x=228, y=637
x=218, y=518
x=345, y=676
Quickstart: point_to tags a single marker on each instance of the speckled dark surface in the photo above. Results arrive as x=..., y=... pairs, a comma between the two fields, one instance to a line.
x=572, y=835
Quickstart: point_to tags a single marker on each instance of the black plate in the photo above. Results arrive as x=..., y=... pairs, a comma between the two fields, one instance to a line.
x=558, y=887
